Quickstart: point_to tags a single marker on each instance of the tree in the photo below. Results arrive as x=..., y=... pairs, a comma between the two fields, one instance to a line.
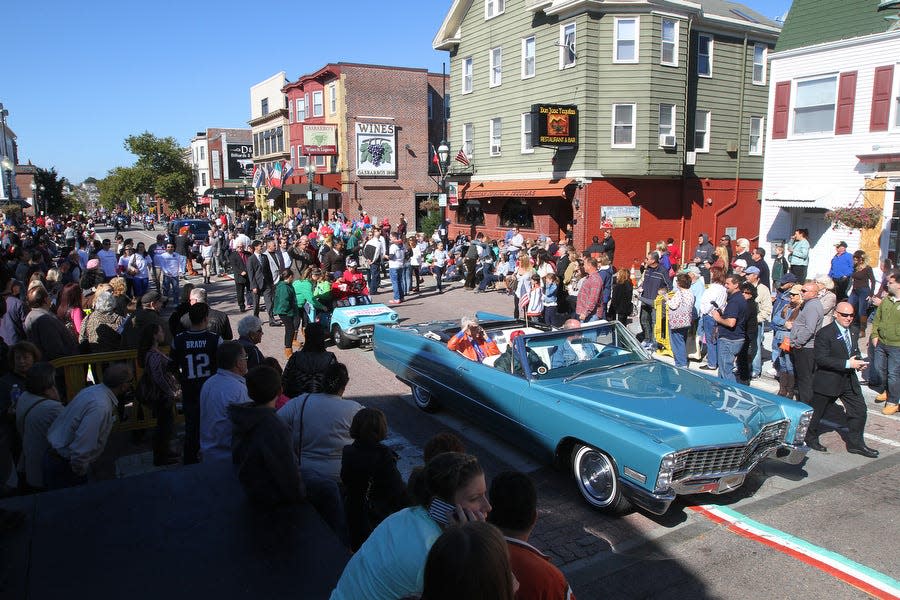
x=90, y=180
x=53, y=199
x=160, y=170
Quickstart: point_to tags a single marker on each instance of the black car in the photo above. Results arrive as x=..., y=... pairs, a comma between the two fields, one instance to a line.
x=199, y=228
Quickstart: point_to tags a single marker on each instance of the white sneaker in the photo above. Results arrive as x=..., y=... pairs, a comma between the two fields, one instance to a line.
x=771, y=372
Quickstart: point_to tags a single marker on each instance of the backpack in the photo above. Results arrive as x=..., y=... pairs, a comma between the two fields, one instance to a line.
x=369, y=252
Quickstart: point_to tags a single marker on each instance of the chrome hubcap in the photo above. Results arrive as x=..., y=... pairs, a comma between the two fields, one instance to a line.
x=596, y=476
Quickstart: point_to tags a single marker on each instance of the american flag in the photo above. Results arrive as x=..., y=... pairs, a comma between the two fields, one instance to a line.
x=461, y=157
x=287, y=170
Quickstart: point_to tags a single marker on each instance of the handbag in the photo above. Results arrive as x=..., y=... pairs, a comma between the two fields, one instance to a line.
x=785, y=345
x=131, y=270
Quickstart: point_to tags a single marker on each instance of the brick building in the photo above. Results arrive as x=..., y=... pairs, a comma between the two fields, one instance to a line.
x=370, y=132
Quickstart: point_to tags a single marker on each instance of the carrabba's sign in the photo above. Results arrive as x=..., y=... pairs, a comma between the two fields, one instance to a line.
x=556, y=125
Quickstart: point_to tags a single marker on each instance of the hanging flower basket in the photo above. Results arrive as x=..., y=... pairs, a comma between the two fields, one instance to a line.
x=430, y=205
x=854, y=217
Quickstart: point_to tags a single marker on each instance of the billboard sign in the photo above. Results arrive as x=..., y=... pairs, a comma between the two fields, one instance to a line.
x=555, y=125
x=319, y=140
x=620, y=217
x=376, y=150
x=240, y=161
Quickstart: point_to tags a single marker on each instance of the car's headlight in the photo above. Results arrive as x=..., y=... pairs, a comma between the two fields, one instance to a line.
x=394, y=316
x=666, y=469
x=803, y=427
x=354, y=320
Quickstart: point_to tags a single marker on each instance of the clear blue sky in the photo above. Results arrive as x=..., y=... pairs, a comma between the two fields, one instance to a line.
x=79, y=77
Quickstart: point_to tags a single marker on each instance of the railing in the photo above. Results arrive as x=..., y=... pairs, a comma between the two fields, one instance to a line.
x=77, y=368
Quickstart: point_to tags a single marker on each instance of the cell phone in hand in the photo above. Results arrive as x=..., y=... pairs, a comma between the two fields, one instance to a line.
x=441, y=511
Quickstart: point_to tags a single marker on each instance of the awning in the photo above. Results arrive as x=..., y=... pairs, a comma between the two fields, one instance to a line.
x=891, y=157
x=798, y=203
x=300, y=189
x=515, y=189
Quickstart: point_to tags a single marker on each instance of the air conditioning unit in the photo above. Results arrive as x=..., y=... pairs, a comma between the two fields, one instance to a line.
x=667, y=141
x=690, y=158
x=731, y=148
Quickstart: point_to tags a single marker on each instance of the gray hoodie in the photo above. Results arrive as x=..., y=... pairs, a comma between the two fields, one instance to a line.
x=704, y=250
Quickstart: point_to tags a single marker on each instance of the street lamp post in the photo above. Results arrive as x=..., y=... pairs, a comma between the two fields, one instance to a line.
x=310, y=173
x=37, y=194
x=7, y=166
x=443, y=154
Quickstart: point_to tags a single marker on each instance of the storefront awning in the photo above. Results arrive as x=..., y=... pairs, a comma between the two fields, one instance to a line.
x=798, y=203
x=516, y=189
x=890, y=157
x=300, y=189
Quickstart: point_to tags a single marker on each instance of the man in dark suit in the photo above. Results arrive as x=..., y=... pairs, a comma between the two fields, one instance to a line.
x=837, y=361
x=240, y=267
x=256, y=275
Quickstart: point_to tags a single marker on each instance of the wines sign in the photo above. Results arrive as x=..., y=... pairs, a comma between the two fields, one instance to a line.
x=555, y=125
x=376, y=150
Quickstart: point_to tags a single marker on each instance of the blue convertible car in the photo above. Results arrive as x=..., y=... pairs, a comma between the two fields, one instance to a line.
x=635, y=431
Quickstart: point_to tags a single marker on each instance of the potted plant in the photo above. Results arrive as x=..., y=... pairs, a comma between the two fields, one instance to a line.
x=854, y=217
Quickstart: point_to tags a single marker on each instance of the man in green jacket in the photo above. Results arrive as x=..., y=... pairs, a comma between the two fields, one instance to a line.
x=885, y=338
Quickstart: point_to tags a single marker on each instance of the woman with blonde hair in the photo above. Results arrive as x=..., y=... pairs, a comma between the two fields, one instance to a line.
x=119, y=288
x=862, y=287
x=524, y=271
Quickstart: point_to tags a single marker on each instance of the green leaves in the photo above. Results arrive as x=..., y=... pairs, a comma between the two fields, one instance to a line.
x=160, y=169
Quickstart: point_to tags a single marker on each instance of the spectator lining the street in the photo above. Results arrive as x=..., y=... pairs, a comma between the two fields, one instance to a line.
x=223, y=389
x=304, y=371
x=472, y=342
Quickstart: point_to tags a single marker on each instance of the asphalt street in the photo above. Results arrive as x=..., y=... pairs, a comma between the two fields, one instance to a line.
x=826, y=528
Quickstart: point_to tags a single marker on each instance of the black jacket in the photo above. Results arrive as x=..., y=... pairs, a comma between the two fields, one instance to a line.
x=263, y=454
x=218, y=324
x=832, y=373
x=255, y=273
x=373, y=487
x=304, y=371
x=238, y=267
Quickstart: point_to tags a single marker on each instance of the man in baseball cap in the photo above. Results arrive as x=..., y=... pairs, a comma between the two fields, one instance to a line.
x=841, y=270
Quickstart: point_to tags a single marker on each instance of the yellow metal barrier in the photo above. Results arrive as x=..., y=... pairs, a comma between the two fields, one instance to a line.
x=75, y=369
x=661, y=325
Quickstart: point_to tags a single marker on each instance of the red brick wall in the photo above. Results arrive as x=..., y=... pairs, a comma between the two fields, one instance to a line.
x=662, y=203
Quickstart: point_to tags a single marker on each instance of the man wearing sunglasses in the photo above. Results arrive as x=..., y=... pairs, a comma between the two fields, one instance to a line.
x=803, y=337
x=837, y=362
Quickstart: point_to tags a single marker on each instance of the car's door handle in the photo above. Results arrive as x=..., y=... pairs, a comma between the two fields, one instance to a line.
x=462, y=368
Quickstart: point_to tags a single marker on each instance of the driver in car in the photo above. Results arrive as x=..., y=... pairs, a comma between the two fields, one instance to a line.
x=472, y=341
x=574, y=349
x=351, y=288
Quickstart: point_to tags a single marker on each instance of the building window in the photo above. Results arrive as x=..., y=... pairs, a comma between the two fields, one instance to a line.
x=666, y=121
x=318, y=106
x=467, y=69
x=669, y=48
x=527, y=135
x=567, y=46
x=202, y=153
x=267, y=142
x=264, y=106
x=290, y=111
x=492, y=8
x=701, y=131
x=495, y=127
x=446, y=100
x=756, y=129
x=255, y=144
x=759, y=64
x=293, y=158
x=279, y=139
x=470, y=212
x=301, y=159
x=528, y=54
x=814, y=106
x=430, y=104
x=203, y=179
x=626, y=42
x=301, y=109
x=516, y=213
x=468, y=136
x=321, y=160
x=332, y=99
x=496, y=60
x=704, y=55
x=623, y=126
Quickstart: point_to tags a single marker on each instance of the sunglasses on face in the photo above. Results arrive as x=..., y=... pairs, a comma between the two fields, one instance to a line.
x=843, y=314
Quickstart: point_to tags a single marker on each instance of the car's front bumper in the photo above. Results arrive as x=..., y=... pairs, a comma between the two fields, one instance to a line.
x=657, y=504
x=790, y=453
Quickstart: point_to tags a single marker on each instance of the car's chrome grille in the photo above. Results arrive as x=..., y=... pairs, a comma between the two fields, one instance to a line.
x=367, y=330
x=704, y=462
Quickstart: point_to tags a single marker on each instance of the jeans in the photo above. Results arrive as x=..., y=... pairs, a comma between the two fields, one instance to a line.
x=712, y=345
x=887, y=363
x=513, y=255
x=859, y=298
x=374, y=277
x=648, y=314
x=756, y=367
x=438, y=273
x=171, y=288
x=141, y=285
x=397, y=283
x=678, y=341
x=325, y=495
x=728, y=351
x=781, y=360
x=407, y=279
x=487, y=276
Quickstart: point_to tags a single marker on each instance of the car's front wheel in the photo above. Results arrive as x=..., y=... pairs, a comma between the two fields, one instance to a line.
x=595, y=475
x=424, y=399
x=340, y=340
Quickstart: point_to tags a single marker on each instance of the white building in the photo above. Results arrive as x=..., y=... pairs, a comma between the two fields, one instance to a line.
x=200, y=162
x=269, y=120
x=833, y=135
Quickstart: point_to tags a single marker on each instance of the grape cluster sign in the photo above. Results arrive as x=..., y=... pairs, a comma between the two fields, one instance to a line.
x=376, y=150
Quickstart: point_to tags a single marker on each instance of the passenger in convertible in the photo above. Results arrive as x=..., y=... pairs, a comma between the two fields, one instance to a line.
x=472, y=341
x=573, y=349
x=506, y=363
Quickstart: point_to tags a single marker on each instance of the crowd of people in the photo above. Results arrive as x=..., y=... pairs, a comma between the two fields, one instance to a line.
x=294, y=437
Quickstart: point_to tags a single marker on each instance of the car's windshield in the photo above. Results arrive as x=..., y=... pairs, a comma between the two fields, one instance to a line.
x=567, y=352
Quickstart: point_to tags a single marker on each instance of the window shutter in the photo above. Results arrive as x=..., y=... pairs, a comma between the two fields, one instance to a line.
x=781, y=111
x=881, y=98
x=846, y=98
